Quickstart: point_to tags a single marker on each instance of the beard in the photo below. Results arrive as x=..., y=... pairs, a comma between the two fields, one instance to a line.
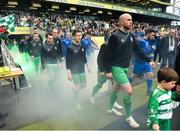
x=128, y=27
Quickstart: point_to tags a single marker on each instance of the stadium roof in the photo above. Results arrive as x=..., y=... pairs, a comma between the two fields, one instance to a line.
x=165, y=2
x=138, y=3
x=141, y=3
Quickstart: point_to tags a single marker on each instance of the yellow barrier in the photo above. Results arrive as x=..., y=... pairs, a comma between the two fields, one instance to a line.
x=21, y=31
x=4, y=70
x=99, y=40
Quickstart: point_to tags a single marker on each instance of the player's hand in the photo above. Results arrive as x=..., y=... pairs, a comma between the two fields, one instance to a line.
x=178, y=43
x=69, y=77
x=61, y=65
x=109, y=75
x=62, y=60
x=155, y=127
x=152, y=64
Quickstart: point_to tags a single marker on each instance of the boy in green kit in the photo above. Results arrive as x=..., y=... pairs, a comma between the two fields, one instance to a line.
x=160, y=102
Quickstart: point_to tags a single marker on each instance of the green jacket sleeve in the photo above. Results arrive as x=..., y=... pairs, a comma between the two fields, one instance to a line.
x=174, y=95
x=153, y=110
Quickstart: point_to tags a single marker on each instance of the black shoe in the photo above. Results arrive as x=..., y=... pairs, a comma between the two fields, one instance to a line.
x=3, y=115
x=2, y=124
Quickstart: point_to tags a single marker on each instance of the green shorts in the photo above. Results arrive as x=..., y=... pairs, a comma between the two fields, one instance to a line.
x=36, y=60
x=52, y=71
x=120, y=75
x=79, y=78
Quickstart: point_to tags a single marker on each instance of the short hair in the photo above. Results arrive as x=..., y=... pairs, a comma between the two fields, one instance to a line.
x=49, y=34
x=136, y=27
x=35, y=33
x=35, y=28
x=149, y=30
x=88, y=32
x=167, y=74
x=75, y=31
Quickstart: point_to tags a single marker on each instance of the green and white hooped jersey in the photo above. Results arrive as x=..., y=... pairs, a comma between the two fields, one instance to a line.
x=160, y=105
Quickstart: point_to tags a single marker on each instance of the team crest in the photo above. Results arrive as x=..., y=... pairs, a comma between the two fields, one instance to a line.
x=131, y=39
x=122, y=40
x=152, y=112
x=55, y=48
x=82, y=50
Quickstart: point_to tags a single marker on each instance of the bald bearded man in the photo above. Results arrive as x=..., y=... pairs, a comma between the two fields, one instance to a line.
x=120, y=47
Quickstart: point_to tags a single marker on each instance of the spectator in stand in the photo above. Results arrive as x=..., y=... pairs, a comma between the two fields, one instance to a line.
x=169, y=49
x=158, y=47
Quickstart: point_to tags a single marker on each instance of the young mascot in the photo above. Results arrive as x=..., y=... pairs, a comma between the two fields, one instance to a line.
x=160, y=102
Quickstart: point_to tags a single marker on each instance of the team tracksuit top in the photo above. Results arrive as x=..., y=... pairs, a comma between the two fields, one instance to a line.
x=101, y=58
x=145, y=47
x=76, y=59
x=35, y=48
x=120, y=48
x=50, y=54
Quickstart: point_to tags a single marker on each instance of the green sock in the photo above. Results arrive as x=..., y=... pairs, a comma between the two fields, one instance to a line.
x=112, y=99
x=96, y=89
x=76, y=95
x=36, y=64
x=127, y=105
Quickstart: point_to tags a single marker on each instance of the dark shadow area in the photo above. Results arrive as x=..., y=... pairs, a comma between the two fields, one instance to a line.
x=141, y=117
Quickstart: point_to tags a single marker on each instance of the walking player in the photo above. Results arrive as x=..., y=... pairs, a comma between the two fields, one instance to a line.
x=75, y=62
x=141, y=66
x=120, y=47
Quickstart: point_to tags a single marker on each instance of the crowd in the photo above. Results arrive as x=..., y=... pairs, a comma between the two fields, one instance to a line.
x=70, y=22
